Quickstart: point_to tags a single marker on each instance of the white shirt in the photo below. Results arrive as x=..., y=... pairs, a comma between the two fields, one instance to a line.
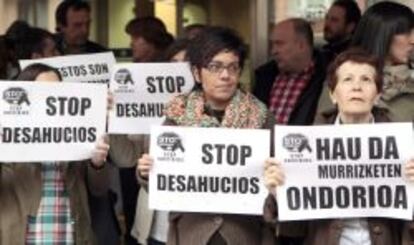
x=355, y=232
x=159, y=228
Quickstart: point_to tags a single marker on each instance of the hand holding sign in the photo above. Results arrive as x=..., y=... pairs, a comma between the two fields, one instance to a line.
x=100, y=152
x=409, y=170
x=273, y=175
x=144, y=165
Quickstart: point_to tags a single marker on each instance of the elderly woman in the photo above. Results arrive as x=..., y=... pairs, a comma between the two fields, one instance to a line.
x=355, y=83
x=47, y=202
x=217, y=57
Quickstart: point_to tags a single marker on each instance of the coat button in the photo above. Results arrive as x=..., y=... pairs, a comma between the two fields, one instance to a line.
x=377, y=229
x=218, y=220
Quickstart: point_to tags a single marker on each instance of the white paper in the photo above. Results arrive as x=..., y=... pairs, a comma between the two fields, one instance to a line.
x=83, y=68
x=178, y=151
x=141, y=91
x=43, y=121
x=359, y=177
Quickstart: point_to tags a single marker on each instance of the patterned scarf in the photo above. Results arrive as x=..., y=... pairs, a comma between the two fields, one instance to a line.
x=243, y=111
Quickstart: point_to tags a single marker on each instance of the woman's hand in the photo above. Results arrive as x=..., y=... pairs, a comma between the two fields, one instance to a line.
x=144, y=165
x=100, y=152
x=409, y=170
x=273, y=175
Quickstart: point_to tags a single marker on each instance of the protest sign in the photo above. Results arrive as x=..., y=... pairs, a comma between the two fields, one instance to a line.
x=83, y=68
x=141, y=92
x=43, y=121
x=218, y=171
x=341, y=171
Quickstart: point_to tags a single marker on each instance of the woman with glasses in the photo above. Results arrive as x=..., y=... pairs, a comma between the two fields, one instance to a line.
x=217, y=57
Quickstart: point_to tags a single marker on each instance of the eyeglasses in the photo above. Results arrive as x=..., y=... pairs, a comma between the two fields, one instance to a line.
x=218, y=68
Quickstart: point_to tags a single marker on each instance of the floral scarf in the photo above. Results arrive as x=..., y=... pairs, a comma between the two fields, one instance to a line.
x=243, y=111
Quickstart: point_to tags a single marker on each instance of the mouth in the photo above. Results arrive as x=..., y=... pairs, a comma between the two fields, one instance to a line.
x=356, y=99
x=224, y=87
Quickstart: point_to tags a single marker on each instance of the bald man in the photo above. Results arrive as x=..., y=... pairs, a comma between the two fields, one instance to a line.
x=291, y=84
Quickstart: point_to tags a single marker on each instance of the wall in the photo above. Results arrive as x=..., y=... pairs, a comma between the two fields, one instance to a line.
x=194, y=13
x=238, y=18
x=167, y=12
x=8, y=13
x=120, y=13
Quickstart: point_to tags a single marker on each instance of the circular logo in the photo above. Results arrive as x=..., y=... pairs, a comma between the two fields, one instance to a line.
x=123, y=77
x=295, y=143
x=15, y=96
x=170, y=141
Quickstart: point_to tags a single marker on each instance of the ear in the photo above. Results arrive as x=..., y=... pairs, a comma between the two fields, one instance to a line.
x=377, y=99
x=333, y=97
x=301, y=42
x=36, y=56
x=350, y=28
x=196, y=74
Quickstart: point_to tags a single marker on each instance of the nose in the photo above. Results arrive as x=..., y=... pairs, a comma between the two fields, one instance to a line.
x=357, y=85
x=412, y=37
x=225, y=73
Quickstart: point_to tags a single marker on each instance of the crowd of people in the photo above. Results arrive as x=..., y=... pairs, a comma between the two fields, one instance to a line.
x=361, y=75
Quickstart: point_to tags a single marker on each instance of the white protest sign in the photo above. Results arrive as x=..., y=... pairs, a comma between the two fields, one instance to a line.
x=208, y=169
x=83, y=68
x=44, y=121
x=141, y=91
x=342, y=171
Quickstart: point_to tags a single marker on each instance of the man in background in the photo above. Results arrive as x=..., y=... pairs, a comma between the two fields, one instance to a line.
x=340, y=23
x=73, y=19
x=291, y=84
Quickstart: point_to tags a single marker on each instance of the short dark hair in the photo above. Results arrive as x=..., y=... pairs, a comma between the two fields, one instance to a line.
x=379, y=24
x=212, y=41
x=303, y=28
x=34, y=42
x=176, y=47
x=63, y=9
x=191, y=31
x=15, y=38
x=352, y=11
x=152, y=30
x=32, y=71
x=359, y=56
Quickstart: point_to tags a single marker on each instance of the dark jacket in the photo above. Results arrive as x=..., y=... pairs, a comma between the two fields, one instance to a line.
x=331, y=50
x=88, y=48
x=305, y=108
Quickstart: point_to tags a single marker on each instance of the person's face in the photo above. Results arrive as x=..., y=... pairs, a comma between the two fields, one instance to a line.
x=142, y=51
x=219, y=79
x=335, y=27
x=355, y=92
x=285, y=46
x=401, y=47
x=76, y=31
x=49, y=50
x=179, y=57
x=49, y=76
